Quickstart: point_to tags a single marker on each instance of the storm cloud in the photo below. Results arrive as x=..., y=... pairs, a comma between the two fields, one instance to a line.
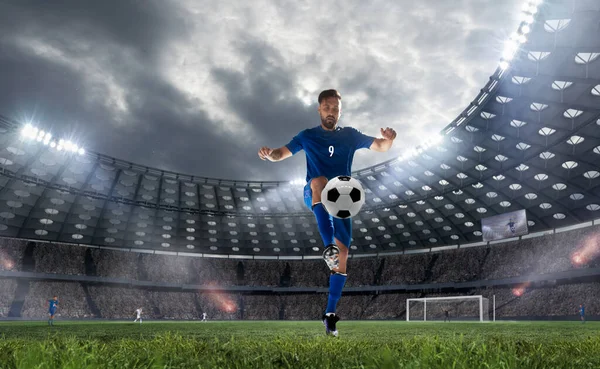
x=198, y=86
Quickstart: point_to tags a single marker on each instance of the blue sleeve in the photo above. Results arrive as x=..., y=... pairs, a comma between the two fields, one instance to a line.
x=362, y=140
x=295, y=144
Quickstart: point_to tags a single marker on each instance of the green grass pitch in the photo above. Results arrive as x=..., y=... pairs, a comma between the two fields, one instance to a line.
x=276, y=344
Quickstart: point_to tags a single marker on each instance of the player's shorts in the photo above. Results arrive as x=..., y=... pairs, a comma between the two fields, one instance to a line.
x=52, y=311
x=342, y=227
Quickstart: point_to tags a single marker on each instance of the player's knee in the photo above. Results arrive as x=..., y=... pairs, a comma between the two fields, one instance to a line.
x=318, y=184
x=342, y=247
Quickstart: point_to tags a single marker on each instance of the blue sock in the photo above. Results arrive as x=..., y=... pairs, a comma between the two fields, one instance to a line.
x=336, y=285
x=325, y=224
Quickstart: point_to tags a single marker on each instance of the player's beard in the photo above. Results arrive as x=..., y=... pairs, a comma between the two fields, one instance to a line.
x=328, y=122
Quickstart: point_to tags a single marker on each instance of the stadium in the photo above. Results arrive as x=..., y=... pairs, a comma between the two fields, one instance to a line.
x=492, y=224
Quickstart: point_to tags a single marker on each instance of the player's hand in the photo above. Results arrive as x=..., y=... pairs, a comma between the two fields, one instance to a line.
x=264, y=153
x=388, y=133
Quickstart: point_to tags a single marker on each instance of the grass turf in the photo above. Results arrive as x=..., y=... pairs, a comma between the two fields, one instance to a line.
x=262, y=344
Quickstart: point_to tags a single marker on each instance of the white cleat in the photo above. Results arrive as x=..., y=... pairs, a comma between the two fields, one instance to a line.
x=331, y=255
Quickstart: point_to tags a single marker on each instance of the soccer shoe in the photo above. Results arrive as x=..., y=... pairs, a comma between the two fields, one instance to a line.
x=332, y=256
x=329, y=323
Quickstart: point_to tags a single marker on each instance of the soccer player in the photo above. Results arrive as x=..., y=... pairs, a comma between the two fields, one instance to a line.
x=582, y=313
x=139, y=315
x=204, y=317
x=511, y=225
x=446, y=315
x=52, y=306
x=329, y=152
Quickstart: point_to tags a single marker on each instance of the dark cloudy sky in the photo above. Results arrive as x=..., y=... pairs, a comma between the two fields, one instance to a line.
x=197, y=86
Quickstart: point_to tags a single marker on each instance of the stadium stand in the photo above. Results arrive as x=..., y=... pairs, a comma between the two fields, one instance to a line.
x=240, y=249
x=297, y=282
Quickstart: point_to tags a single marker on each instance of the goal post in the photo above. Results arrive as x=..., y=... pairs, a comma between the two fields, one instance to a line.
x=463, y=308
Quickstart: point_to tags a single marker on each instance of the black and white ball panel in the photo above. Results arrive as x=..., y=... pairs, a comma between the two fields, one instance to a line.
x=343, y=197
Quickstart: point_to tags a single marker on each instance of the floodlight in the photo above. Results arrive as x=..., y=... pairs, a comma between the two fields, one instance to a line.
x=511, y=45
x=522, y=39
x=33, y=133
x=525, y=7
x=25, y=131
x=525, y=29
x=508, y=54
x=510, y=48
x=52, y=144
x=81, y=151
x=61, y=142
x=74, y=148
x=529, y=19
x=59, y=147
x=504, y=65
x=435, y=139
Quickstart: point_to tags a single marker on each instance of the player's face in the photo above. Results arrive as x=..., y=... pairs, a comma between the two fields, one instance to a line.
x=330, y=111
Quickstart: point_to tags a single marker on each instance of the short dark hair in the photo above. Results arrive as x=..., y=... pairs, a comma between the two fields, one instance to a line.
x=329, y=93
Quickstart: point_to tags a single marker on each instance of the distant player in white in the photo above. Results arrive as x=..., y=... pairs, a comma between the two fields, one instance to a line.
x=139, y=315
x=204, y=317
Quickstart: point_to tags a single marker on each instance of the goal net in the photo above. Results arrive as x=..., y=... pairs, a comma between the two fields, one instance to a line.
x=470, y=308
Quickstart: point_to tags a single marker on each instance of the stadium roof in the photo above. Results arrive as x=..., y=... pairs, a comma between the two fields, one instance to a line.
x=530, y=140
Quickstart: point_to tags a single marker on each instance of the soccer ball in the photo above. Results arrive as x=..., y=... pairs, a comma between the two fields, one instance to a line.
x=343, y=197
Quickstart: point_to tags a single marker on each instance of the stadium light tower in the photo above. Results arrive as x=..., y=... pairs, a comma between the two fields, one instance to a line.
x=37, y=135
x=511, y=46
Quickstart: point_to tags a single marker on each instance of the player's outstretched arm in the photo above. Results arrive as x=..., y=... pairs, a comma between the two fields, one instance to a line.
x=279, y=154
x=385, y=143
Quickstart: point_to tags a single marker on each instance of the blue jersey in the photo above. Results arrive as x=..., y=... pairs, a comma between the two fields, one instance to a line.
x=329, y=153
x=511, y=226
x=53, y=304
x=582, y=310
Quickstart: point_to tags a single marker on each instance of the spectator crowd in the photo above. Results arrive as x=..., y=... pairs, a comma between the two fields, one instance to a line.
x=80, y=299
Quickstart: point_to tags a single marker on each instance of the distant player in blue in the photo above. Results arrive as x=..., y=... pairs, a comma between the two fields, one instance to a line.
x=511, y=225
x=329, y=152
x=52, y=306
x=582, y=313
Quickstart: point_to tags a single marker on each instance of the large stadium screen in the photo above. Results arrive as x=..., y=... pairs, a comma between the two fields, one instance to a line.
x=504, y=225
